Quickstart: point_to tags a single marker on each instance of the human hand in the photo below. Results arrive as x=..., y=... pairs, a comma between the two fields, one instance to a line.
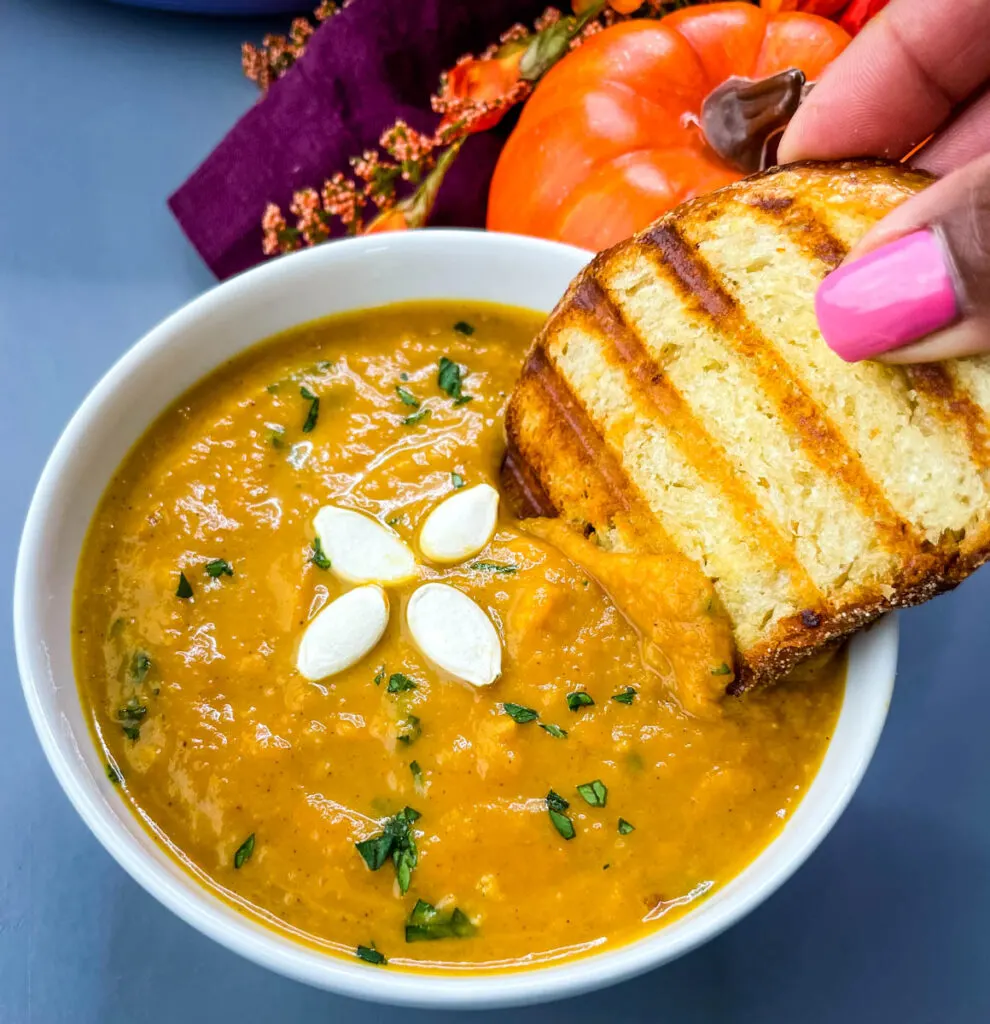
x=917, y=286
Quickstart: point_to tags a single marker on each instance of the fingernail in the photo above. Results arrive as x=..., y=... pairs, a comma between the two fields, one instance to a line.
x=891, y=296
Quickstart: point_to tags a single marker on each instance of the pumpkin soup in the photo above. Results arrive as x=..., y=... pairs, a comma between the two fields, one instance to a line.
x=356, y=698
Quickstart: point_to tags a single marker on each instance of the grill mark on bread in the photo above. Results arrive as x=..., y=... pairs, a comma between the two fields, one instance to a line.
x=660, y=399
x=952, y=405
x=819, y=437
x=580, y=426
x=809, y=232
x=524, y=491
x=598, y=491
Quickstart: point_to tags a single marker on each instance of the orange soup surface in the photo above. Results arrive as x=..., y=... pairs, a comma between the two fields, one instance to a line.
x=391, y=810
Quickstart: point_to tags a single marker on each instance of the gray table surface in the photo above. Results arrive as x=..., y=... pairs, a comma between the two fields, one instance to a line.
x=103, y=110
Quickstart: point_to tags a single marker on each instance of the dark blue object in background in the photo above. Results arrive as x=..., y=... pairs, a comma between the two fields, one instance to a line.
x=104, y=111
x=239, y=8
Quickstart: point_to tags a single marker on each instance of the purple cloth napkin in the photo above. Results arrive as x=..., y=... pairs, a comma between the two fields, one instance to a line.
x=375, y=61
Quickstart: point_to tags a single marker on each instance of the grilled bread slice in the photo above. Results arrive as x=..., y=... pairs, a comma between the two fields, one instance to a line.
x=681, y=399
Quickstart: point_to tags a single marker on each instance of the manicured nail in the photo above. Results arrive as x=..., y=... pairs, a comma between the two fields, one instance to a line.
x=891, y=296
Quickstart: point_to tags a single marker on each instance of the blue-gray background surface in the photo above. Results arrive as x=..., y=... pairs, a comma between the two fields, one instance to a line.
x=103, y=111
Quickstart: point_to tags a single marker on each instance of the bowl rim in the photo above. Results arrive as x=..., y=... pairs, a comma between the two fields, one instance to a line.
x=197, y=905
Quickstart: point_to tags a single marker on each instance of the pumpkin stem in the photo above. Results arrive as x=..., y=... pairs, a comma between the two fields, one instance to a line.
x=742, y=119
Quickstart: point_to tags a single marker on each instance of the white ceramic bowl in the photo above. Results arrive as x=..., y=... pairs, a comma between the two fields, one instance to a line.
x=330, y=279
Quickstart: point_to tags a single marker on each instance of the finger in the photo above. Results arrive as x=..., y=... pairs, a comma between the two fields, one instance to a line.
x=923, y=273
x=965, y=139
x=896, y=83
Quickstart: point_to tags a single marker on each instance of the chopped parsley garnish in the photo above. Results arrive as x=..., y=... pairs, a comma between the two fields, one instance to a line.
x=625, y=828
x=132, y=711
x=427, y=923
x=219, y=567
x=380, y=676
x=579, y=699
x=519, y=713
x=113, y=775
x=244, y=851
x=594, y=793
x=412, y=420
x=417, y=772
x=554, y=730
x=184, y=589
x=319, y=556
x=370, y=955
x=396, y=840
x=722, y=670
x=463, y=327
x=626, y=696
x=411, y=730
x=140, y=666
x=132, y=732
x=406, y=396
x=314, y=409
x=276, y=437
x=502, y=568
x=556, y=805
x=457, y=480
x=450, y=381
x=397, y=683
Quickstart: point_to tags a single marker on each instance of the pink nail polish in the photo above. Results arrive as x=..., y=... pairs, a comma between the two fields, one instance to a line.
x=891, y=296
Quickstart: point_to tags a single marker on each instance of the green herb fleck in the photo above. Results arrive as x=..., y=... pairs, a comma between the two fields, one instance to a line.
x=412, y=420
x=411, y=730
x=140, y=666
x=113, y=775
x=370, y=955
x=219, y=567
x=407, y=397
x=272, y=389
x=403, y=375
x=579, y=699
x=594, y=793
x=276, y=437
x=314, y=409
x=396, y=841
x=519, y=713
x=319, y=556
x=417, y=772
x=380, y=676
x=463, y=327
x=244, y=852
x=556, y=805
x=450, y=380
x=184, y=589
x=132, y=732
x=132, y=711
x=499, y=567
x=457, y=480
x=625, y=827
x=554, y=730
x=626, y=696
x=722, y=670
x=426, y=923
x=397, y=683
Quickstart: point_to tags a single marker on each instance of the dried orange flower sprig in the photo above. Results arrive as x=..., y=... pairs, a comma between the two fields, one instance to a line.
x=473, y=97
x=270, y=61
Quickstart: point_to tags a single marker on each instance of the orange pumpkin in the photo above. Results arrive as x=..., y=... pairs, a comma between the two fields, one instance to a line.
x=610, y=138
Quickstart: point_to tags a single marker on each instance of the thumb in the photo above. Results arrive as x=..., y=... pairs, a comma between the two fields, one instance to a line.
x=916, y=288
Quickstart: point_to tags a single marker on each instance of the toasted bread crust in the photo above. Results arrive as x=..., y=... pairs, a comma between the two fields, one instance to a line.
x=810, y=526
